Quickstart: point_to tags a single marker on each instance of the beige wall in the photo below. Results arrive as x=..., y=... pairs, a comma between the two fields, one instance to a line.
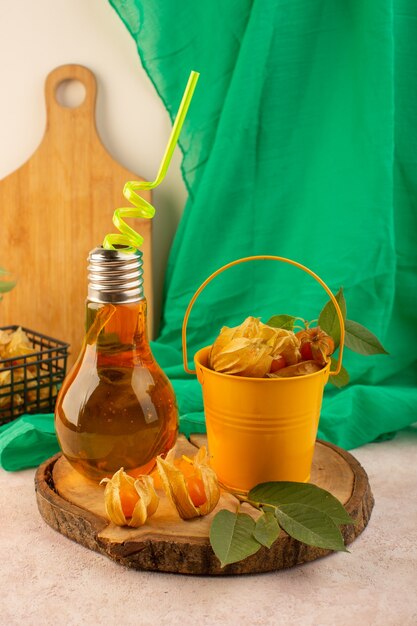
x=38, y=35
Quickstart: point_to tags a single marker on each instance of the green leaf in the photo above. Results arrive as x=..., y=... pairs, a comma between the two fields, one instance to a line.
x=231, y=537
x=342, y=378
x=328, y=320
x=361, y=340
x=6, y=286
x=282, y=321
x=310, y=526
x=280, y=493
x=266, y=529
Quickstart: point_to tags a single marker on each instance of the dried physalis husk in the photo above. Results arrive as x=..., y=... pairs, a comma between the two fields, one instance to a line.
x=45, y=394
x=129, y=501
x=14, y=345
x=5, y=378
x=243, y=350
x=195, y=492
x=244, y=357
x=299, y=369
x=34, y=391
x=5, y=388
x=285, y=343
x=248, y=329
x=249, y=349
x=4, y=340
x=19, y=345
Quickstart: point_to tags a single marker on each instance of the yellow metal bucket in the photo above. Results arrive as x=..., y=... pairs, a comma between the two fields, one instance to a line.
x=260, y=429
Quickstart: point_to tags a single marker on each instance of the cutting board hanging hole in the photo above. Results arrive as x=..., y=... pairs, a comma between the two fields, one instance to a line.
x=70, y=93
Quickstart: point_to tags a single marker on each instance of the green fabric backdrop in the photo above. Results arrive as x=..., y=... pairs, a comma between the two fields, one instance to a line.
x=300, y=142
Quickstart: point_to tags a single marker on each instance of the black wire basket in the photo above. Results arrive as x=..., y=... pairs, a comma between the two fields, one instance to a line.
x=30, y=383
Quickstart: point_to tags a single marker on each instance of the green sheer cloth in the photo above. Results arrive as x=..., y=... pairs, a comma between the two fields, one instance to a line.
x=300, y=142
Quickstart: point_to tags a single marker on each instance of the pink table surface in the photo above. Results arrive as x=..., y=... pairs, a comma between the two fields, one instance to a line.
x=47, y=579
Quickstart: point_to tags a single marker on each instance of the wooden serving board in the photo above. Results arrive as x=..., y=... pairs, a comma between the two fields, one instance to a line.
x=74, y=506
x=55, y=209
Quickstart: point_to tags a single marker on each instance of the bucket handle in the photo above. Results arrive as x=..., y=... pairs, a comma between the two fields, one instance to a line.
x=256, y=258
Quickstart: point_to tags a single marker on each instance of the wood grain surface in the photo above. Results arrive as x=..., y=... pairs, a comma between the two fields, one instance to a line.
x=56, y=208
x=74, y=506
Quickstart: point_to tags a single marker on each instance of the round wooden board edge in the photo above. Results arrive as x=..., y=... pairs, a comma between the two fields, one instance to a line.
x=193, y=558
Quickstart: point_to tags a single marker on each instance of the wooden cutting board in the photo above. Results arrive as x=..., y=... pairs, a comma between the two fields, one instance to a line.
x=74, y=506
x=54, y=210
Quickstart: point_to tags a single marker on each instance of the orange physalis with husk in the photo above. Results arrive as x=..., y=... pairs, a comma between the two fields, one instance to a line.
x=129, y=501
x=191, y=484
x=315, y=345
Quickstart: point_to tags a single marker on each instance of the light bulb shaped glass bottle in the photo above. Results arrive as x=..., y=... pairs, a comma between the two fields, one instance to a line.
x=116, y=407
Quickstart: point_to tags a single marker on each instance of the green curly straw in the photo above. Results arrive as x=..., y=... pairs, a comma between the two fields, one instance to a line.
x=128, y=237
